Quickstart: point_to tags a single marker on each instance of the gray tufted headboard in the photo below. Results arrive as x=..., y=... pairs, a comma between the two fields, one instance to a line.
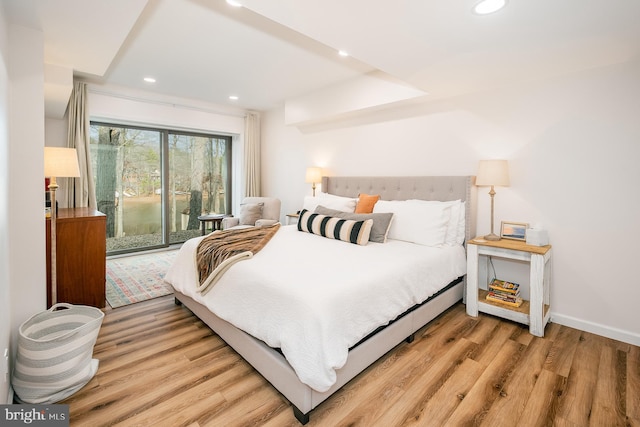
x=443, y=188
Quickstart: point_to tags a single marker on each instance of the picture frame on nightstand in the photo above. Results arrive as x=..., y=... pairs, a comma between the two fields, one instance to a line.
x=514, y=230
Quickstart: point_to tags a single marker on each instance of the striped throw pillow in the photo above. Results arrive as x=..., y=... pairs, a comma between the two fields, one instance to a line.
x=347, y=230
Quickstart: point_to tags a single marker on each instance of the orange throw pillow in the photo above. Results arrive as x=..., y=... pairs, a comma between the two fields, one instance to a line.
x=366, y=202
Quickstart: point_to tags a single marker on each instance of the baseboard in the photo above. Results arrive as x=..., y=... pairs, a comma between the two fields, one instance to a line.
x=598, y=329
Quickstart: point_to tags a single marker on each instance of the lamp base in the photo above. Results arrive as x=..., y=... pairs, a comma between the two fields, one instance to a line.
x=491, y=237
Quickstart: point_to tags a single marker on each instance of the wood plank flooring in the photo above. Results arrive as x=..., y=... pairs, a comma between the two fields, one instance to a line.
x=161, y=366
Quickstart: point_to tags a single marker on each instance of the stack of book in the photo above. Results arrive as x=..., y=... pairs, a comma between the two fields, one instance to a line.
x=503, y=292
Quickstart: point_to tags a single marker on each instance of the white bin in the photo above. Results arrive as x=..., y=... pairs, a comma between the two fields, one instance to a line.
x=55, y=349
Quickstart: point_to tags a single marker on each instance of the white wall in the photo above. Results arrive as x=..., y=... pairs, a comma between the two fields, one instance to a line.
x=55, y=132
x=147, y=108
x=5, y=291
x=573, y=144
x=22, y=237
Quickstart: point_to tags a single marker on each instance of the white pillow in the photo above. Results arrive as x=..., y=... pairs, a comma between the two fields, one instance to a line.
x=462, y=230
x=339, y=203
x=454, y=236
x=310, y=203
x=421, y=223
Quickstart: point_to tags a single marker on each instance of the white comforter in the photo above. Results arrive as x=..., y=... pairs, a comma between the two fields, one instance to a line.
x=314, y=297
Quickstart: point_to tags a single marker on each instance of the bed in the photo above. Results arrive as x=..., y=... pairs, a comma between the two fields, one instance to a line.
x=293, y=360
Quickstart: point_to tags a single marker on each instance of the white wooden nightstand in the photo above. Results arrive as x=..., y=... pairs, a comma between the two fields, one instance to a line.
x=292, y=218
x=536, y=311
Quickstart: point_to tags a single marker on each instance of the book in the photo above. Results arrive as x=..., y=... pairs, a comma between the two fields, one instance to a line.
x=499, y=292
x=505, y=287
x=502, y=298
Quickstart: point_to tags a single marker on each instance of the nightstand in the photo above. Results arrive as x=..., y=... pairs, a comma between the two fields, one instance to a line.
x=292, y=218
x=536, y=311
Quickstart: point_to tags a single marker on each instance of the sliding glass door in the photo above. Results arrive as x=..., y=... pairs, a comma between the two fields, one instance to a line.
x=153, y=184
x=199, y=180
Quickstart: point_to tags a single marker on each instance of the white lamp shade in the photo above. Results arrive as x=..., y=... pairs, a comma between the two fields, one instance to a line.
x=493, y=172
x=313, y=175
x=61, y=162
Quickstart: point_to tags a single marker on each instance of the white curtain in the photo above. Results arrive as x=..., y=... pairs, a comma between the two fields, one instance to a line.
x=252, y=155
x=81, y=192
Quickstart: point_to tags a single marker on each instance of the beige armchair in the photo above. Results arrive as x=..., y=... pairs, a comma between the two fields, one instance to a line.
x=255, y=212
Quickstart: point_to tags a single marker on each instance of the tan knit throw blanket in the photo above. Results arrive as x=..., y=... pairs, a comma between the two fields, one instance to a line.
x=218, y=251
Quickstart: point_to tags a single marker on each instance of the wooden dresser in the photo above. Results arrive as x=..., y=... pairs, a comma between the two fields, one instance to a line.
x=81, y=240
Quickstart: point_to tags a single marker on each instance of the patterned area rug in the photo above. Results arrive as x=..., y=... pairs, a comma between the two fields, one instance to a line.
x=138, y=278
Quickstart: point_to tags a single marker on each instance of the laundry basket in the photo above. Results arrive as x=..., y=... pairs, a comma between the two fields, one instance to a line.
x=55, y=349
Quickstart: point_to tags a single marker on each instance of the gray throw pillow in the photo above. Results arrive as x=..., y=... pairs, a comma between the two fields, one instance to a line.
x=250, y=213
x=381, y=221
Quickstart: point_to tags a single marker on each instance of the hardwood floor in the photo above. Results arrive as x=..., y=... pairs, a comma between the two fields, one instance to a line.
x=161, y=366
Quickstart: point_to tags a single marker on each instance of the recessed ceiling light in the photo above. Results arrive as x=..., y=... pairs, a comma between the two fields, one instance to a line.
x=234, y=3
x=343, y=53
x=149, y=80
x=486, y=7
x=233, y=97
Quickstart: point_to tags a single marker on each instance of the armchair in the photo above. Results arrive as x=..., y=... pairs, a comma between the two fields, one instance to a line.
x=255, y=212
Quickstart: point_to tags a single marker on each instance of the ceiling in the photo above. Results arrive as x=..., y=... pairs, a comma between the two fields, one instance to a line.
x=268, y=52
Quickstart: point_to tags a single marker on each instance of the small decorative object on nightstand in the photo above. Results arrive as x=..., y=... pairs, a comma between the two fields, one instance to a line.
x=536, y=311
x=513, y=230
x=537, y=237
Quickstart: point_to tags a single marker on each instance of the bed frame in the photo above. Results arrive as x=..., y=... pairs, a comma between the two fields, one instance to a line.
x=272, y=364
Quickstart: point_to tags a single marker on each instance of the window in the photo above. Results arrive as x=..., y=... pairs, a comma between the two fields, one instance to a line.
x=153, y=184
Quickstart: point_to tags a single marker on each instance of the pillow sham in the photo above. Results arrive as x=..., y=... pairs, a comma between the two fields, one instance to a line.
x=462, y=224
x=366, y=202
x=310, y=203
x=456, y=226
x=381, y=221
x=344, y=204
x=421, y=223
x=250, y=213
x=356, y=232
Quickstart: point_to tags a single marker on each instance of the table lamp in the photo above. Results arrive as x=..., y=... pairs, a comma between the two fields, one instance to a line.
x=58, y=163
x=491, y=173
x=314, y=175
